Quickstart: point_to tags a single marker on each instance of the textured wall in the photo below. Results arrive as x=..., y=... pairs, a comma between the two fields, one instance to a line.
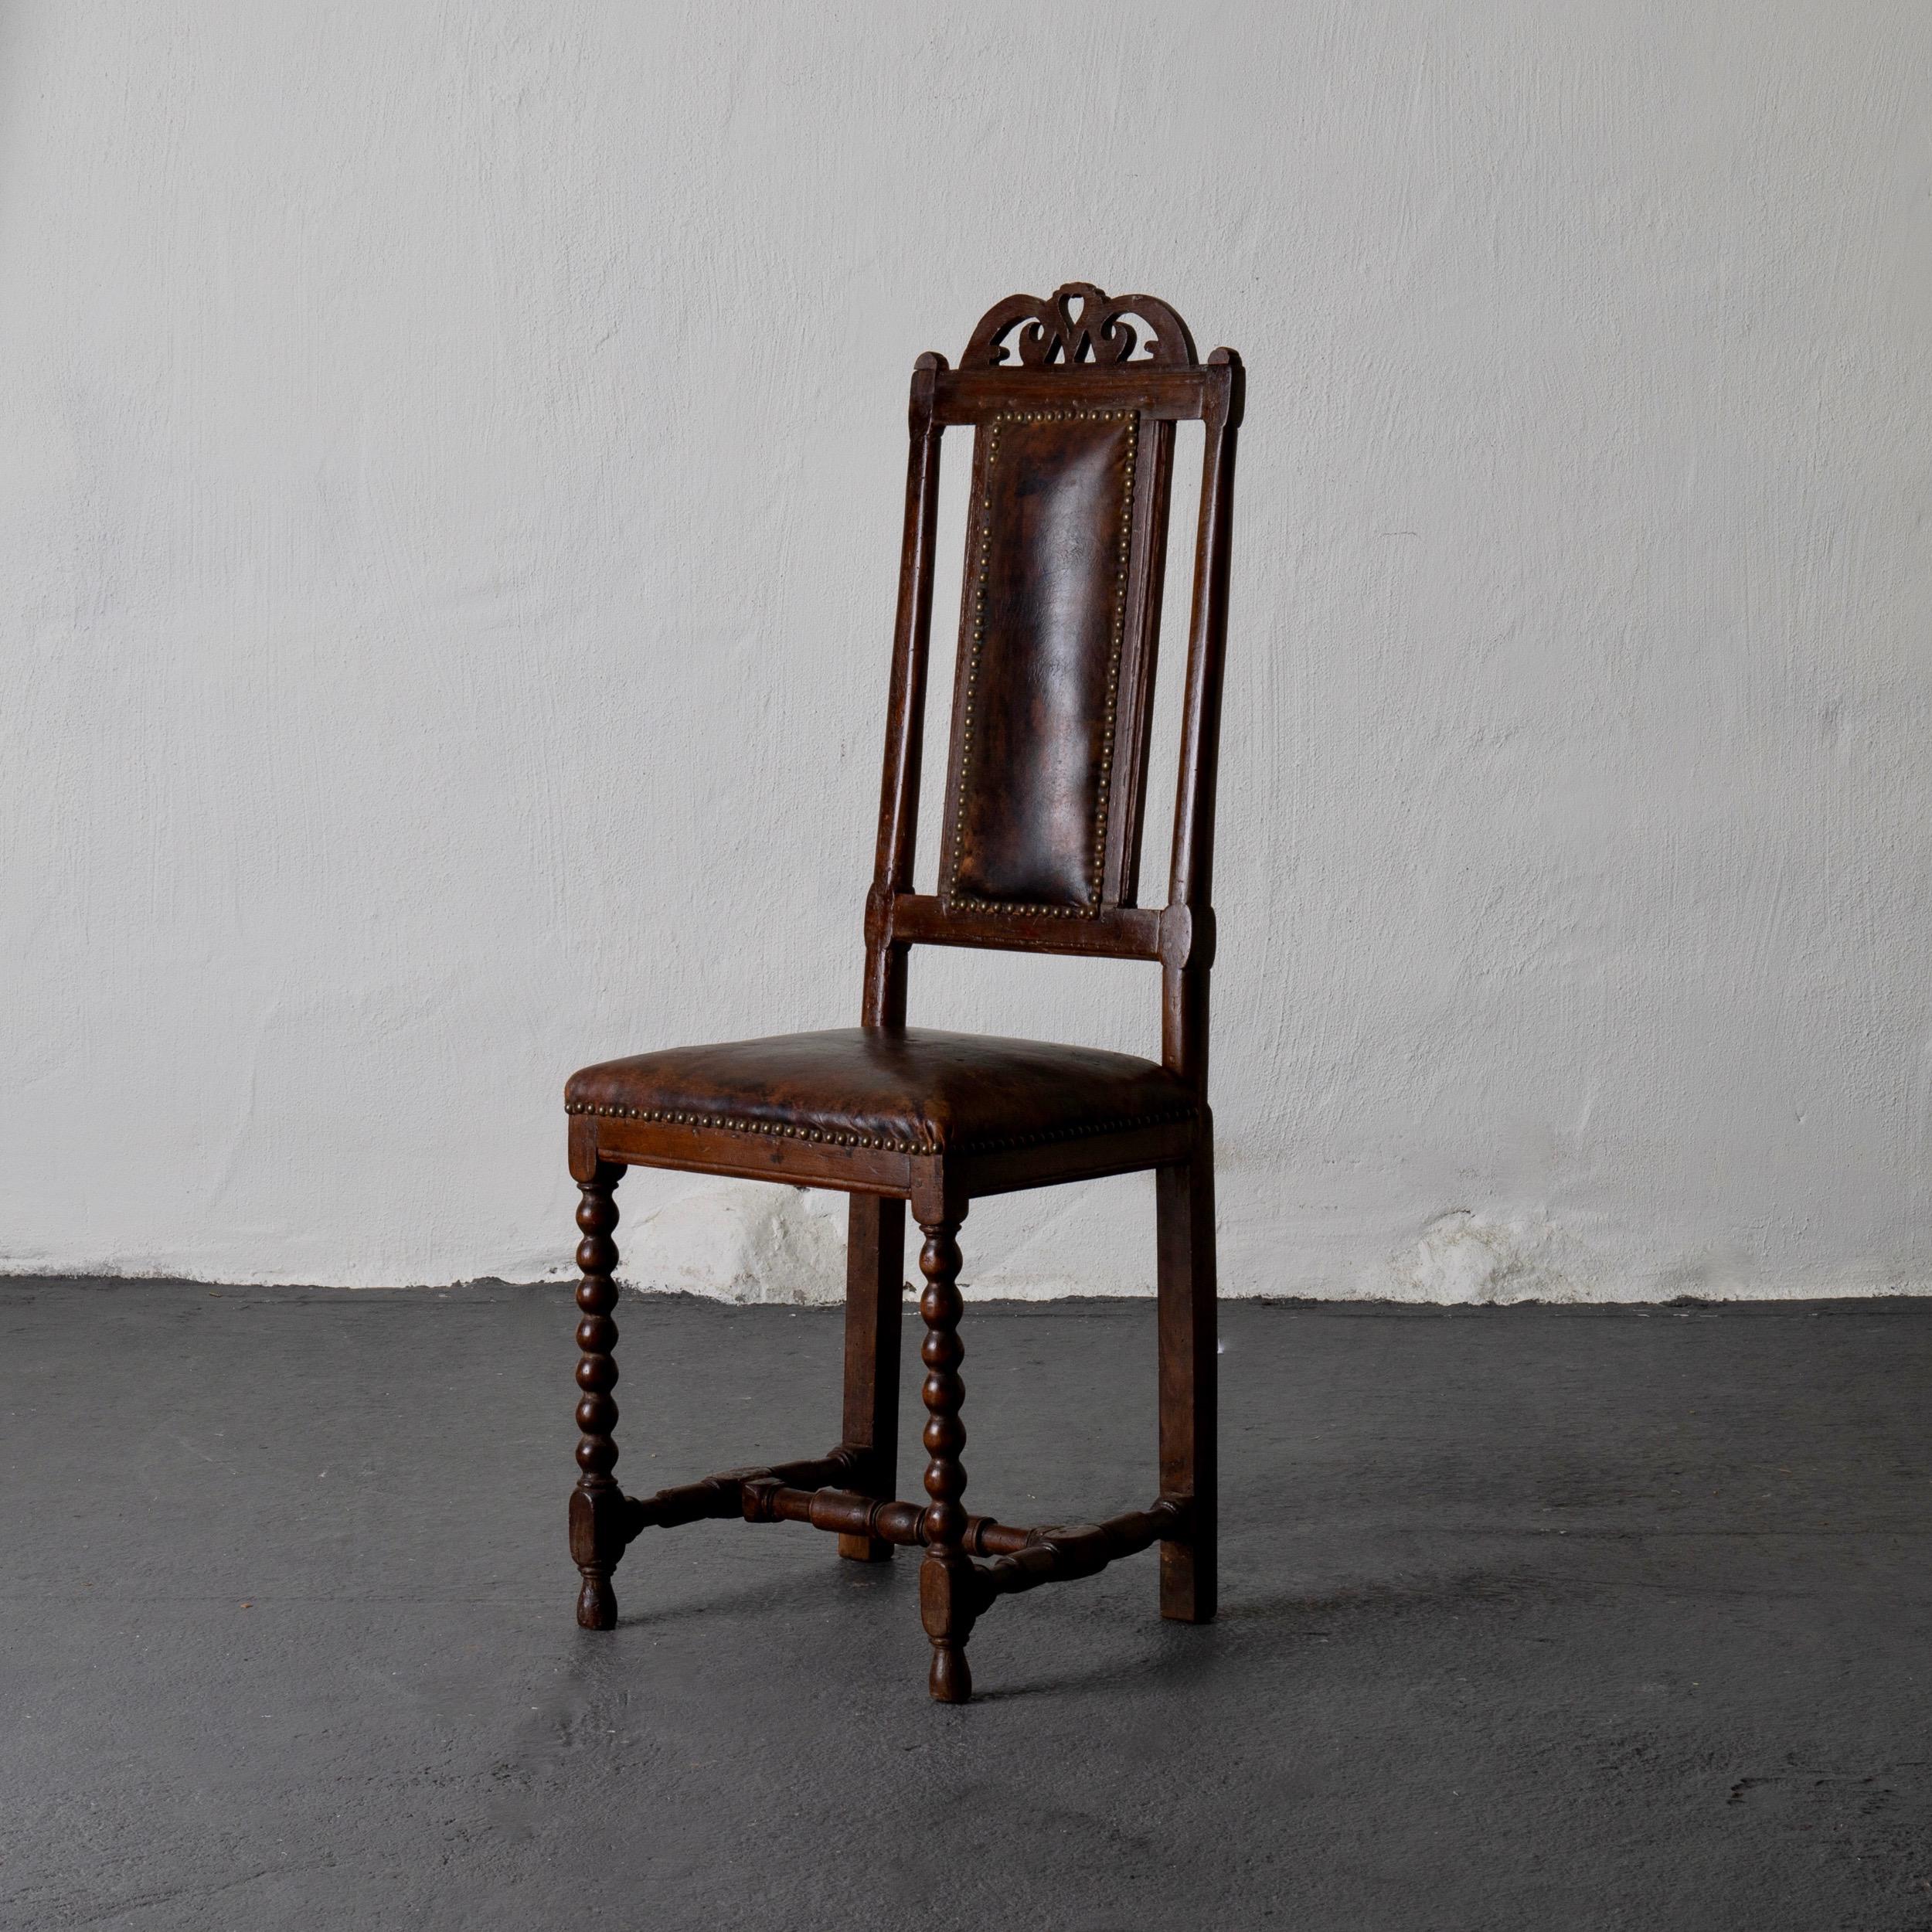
x=450, y=476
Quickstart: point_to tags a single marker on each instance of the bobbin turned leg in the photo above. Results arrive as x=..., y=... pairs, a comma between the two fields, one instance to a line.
x=597, y=1537
x=1184, y=1208
x=946, y=1577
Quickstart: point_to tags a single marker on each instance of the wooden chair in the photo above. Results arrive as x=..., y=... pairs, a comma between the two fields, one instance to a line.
x=1072, y=458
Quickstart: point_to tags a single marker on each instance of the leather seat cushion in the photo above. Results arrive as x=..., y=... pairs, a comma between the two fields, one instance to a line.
x=914, y=1090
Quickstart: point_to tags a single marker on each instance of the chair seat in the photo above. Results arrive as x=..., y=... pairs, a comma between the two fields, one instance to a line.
x=915, y=1091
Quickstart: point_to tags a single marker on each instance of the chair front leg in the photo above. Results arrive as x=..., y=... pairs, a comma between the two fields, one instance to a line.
x=597, y=1537
x=946, y=1577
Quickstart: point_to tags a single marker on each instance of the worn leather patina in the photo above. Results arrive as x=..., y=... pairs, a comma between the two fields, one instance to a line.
x=1039, y=661
x=918, y=1090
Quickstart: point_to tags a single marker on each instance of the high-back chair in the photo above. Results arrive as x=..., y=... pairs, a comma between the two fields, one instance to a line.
x=1072, y=458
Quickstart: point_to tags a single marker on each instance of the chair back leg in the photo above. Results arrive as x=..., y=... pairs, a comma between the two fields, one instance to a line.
x=875, y=1288
x=1184, y=1198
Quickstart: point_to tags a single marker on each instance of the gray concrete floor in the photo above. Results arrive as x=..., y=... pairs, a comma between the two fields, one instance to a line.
x=1533, y=1618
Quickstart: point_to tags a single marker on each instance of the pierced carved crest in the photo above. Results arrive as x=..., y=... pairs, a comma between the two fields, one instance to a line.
x=1078, y=323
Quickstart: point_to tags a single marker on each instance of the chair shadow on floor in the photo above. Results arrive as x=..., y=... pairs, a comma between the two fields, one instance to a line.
x=1138, y=1647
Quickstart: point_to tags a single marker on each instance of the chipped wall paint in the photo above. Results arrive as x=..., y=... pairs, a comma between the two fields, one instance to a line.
x=449, y=496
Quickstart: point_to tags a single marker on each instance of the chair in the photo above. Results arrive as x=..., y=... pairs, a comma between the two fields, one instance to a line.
x=1072, y=459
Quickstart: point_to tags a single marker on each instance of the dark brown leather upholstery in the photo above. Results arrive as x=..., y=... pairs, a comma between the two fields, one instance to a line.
x=1034, y=724
x=919, y=1090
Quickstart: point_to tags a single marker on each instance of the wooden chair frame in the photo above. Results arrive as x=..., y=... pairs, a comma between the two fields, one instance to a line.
x=1072, y=351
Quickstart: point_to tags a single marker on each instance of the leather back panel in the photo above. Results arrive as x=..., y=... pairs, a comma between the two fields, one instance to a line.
x=1036, y=710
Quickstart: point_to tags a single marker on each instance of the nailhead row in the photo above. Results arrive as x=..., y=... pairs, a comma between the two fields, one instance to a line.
x=1006, y=907
x=777, y=1129
x=827, y=1136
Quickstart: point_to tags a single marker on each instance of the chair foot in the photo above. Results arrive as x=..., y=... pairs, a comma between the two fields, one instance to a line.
x=865, y=1549
x=948, y=1608
x=950, y=1681
x=1187, y=1584
x=596, y=1604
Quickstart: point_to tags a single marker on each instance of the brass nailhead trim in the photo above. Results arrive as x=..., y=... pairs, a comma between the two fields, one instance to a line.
x=777, y=1130
x=1172, y=1116
x=1096, y=876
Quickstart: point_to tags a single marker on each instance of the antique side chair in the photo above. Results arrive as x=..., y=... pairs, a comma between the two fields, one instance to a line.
x=1072, y=459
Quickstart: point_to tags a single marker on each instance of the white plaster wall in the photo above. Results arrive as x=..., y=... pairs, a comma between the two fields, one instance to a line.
x=450, y=479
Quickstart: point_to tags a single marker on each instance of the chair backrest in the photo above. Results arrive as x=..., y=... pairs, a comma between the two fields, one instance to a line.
x=1059, y=631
